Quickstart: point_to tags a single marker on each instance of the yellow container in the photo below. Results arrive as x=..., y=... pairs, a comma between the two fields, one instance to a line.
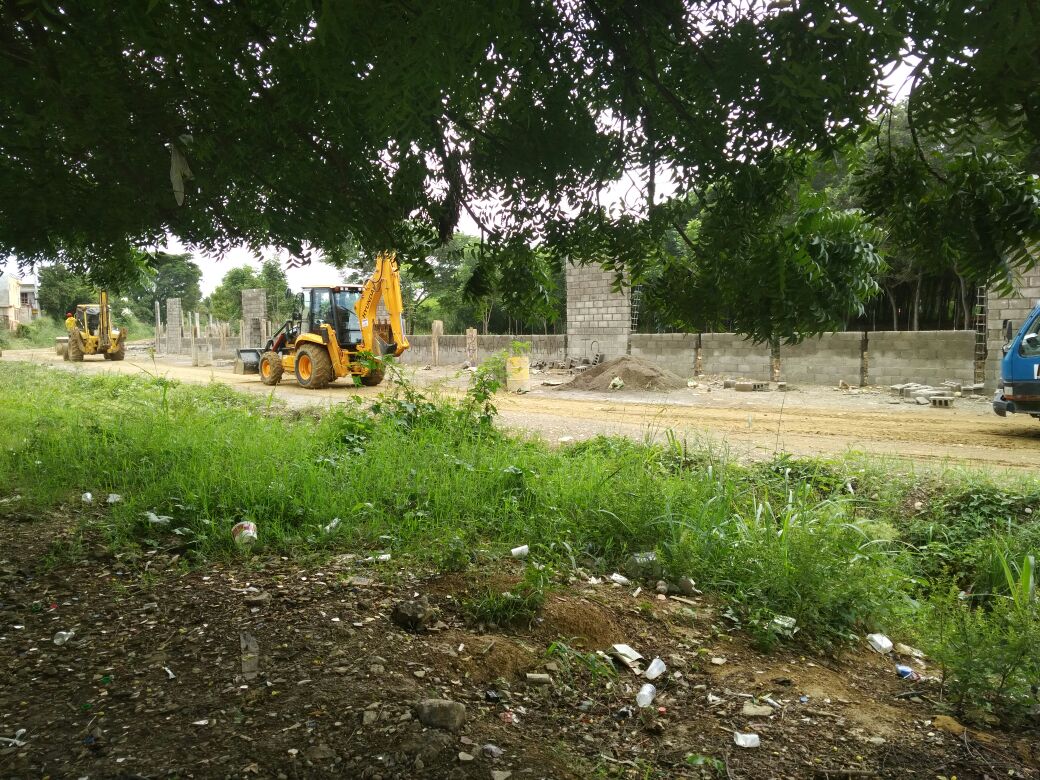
x=518, y=374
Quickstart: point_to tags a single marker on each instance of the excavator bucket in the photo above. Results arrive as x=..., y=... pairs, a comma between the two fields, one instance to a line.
x=248, y=361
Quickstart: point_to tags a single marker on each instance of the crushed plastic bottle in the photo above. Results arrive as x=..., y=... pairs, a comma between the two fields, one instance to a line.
x=620, y=579
x=646, y=695
x=520, y=552
x=63, y=636
x=655, y=669
x=88, y=498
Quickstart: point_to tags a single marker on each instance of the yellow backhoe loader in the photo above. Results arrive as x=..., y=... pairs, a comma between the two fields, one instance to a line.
x=334, y=333
x=93, y=333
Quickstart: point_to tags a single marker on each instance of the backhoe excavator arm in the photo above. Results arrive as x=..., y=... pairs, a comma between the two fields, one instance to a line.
x=105, y=322
x=385, y=285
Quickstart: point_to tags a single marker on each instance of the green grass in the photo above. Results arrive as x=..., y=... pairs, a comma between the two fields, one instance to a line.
x=836, y=545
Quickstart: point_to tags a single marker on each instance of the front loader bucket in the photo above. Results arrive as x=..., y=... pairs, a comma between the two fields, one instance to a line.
x=248, y=361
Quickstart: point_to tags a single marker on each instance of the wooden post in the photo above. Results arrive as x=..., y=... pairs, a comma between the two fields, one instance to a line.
x=436, y=331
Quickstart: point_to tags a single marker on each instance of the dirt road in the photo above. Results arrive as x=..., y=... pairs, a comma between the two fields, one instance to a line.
x=805, y=421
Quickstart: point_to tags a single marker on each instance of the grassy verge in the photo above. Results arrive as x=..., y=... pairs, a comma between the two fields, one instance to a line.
x=840, y=547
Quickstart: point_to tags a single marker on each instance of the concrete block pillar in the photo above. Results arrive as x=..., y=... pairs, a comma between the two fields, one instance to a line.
x=254, y=315
x=174, y=325
x=1016, y=308
x=599, y=319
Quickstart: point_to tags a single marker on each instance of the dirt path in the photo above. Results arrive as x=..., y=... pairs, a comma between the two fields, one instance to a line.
x=279, y=668
x=808, y=421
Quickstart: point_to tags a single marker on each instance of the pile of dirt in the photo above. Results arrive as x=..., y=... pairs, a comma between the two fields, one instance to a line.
x=636, y=373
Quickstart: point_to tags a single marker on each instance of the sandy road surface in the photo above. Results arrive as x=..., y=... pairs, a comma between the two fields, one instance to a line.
x=817, y=420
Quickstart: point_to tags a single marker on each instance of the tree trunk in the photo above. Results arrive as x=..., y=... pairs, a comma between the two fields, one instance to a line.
x=895, y=309
x=965, y=302
x=916, y=308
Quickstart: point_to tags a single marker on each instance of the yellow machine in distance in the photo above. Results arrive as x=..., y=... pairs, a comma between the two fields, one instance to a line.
x=334, y=333
x=94, y=334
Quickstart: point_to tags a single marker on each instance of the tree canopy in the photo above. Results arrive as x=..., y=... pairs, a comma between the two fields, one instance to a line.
x=316, y=127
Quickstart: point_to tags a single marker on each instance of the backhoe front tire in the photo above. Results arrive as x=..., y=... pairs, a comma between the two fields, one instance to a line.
x=271, y=368
x=372, y=378
x=314, y=367
x=119, y=354
x=75, y=348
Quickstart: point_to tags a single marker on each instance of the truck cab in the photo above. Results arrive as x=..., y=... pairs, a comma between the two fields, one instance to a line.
x=1019, y=389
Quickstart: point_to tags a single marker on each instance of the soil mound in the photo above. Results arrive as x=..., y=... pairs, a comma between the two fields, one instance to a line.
x=636, y=373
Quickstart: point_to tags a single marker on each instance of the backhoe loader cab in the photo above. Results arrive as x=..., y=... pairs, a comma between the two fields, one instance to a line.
x=334, y=332
x=94, y=333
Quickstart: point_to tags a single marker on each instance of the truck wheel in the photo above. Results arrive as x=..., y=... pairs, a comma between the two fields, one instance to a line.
x=314, y=367
x=372, y=378
x=271, y=368
x=75, y=349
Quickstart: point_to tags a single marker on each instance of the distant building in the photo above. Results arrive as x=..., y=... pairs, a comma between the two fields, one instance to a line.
x=18, y=302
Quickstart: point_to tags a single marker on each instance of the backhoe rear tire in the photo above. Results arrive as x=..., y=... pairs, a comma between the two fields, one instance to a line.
x=271, y=368
x=314, y=367
x=372, y=378
x=75, y=348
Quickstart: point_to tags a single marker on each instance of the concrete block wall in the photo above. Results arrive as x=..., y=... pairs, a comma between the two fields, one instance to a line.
x=675, y=351
x=1016, y=308
x=734, y=356
x=452, y=349
x=254, y=313
x=929, y=357
x=825, y=360
x=599, y=320
x=174, y=325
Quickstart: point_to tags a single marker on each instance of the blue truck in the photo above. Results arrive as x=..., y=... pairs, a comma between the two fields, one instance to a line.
x=1019, y=389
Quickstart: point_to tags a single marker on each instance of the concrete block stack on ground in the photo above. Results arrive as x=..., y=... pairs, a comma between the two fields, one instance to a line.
x=599, y=320
x=174, y=325
x=254, y=314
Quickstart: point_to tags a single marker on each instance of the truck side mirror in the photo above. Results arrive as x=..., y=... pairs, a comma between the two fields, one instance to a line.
x=1009, y=331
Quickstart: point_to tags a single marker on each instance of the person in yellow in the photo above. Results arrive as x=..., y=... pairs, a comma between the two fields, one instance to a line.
x=70, y=321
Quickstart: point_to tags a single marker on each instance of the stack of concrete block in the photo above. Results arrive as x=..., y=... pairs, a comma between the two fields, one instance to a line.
x=174, y=325
x=254, y=315
x=599, y=320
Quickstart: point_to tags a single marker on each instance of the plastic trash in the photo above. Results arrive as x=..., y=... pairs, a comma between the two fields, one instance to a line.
x=244, y=534
x=907, y=673
x=620, y=579
x=655, y=669
x=746, y=740
x=113, y=498
x=155, y=519
x=646, y=695
x=332, y=525
x=520, y=552
x=617, y=383
x=88, y=498
x=626, y=655
x=63, y=636
x=880, y=642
